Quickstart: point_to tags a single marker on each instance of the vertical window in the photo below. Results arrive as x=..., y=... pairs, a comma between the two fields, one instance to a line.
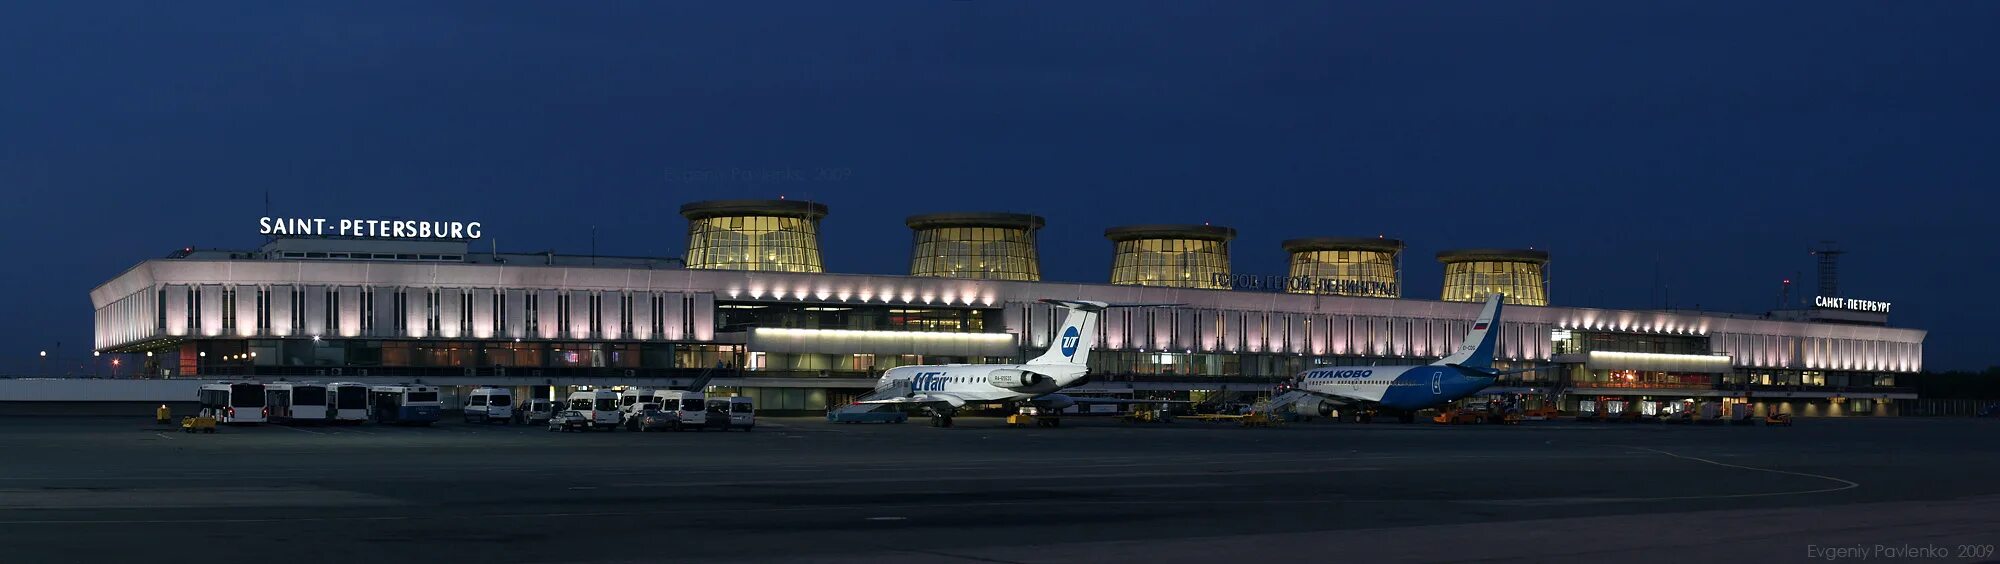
x=465, y=312
x=659, y=321
x=298, y=299
x=625, y=315
x=499, y=312
x=596, y=301
x=533, y=303
x=431, y=311
x=562, y=314
x=399, y=312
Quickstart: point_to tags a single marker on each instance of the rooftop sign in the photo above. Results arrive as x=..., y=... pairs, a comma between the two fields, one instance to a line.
x=1275, y=283
x=368, y=228
x=1850, y=304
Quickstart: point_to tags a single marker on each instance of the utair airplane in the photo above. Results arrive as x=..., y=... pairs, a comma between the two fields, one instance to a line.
x=1403, y=390
x=943, y=389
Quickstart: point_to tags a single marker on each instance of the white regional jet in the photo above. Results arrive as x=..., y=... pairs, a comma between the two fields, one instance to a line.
x=942, y=389
x=1405, y=389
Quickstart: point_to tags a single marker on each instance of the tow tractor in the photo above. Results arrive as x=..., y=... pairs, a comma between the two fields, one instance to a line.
x=197, y=424
x=1031, y=415
x=1778, y=420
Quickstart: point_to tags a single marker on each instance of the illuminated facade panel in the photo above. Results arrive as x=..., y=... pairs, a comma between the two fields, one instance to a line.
x=1472, y=275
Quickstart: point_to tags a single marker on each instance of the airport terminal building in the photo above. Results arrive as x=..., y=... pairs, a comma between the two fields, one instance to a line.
x=752, y=306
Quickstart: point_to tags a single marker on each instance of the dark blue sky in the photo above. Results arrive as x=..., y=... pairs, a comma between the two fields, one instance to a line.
x=1720, y=140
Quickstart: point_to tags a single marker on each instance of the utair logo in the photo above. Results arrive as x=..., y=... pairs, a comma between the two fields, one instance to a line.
x=927, y=382
x=1069, y=340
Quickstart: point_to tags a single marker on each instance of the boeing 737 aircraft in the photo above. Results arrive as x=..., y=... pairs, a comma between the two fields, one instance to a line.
x=1406, y=389
x=942, y=389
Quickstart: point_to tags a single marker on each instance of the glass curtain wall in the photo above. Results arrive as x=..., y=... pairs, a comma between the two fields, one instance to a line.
x=1524, y=283
x=1347, y=273
x=985, y=253
x=1177, y=263
x=763, y=243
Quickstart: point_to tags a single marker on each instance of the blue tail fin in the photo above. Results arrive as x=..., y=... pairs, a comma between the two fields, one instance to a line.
x=1477, y=350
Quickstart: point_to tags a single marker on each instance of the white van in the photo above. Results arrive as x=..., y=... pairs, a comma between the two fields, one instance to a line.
x=692, y=407
x=630, y=398
x=487, y=405
x=600, y=406
x=742, y=413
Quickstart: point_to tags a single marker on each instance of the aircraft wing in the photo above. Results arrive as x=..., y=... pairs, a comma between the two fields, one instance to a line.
x=932, y=398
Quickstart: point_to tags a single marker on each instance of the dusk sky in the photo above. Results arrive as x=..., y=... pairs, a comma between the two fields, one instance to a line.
x=1711, y=143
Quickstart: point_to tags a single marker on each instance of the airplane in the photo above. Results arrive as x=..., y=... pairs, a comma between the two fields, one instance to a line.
x=943, y=389
x=1405, y=389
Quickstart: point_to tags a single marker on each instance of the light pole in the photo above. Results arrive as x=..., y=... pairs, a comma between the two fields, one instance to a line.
x=94, y=355
x=45, y=364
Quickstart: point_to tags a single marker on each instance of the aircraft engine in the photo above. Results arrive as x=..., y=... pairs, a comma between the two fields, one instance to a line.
x=1020, y=380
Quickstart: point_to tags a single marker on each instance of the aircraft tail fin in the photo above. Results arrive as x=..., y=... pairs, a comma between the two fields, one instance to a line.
x=1072, y=343
x=1477, y=350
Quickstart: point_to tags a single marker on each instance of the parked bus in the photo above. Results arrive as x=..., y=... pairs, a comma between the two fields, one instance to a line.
x=292, y=402
x=347, y=402
x=405, y=404
x=489, y=404
x=234, y=402
x=600, y=406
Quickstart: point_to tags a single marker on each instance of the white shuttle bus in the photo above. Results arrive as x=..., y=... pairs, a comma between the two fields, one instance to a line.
x=742, y=413
x=296, y=402
x=601, y=406
x=691, y=406
x=488, y=405
x=234, y=402
x=630, y=398
x=347, y=402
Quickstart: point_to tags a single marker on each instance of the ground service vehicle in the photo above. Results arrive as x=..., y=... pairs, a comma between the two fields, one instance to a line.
x=600, y=406
x=569, y=420
x=291, y=402
x=234, y=402
x=405, y=404
x=347, y=402
x=198, y=424
x=487, y=405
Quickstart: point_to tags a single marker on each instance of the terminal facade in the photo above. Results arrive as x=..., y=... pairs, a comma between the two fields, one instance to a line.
x=759, y=313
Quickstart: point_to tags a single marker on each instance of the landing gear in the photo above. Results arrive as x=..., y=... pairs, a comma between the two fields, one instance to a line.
x=941, y=417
